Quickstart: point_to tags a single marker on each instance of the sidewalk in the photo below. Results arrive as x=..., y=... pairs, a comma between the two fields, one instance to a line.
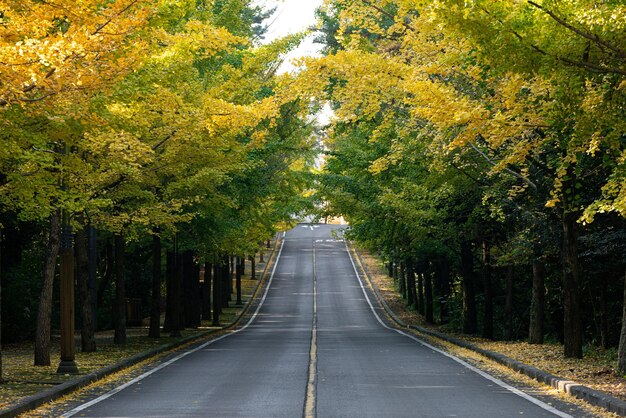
x=399, y=316
x=28, y=387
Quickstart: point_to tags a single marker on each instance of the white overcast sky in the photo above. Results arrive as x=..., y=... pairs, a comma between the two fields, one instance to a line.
x=292, y=16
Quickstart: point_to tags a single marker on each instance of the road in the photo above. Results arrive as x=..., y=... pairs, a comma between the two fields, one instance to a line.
x=315, y=348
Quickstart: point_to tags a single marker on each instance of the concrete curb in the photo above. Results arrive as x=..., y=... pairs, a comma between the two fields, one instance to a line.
x=48, y=395
x=591, y=396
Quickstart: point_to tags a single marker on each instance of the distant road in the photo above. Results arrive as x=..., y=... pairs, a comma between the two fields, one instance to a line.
x=340, y=361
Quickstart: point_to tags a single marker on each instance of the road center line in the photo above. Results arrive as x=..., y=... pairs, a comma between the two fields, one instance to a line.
x=167, y=363
x=487, y=376
x=310, y=410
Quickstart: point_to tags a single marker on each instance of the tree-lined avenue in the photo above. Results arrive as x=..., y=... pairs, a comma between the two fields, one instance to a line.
x=364, y=368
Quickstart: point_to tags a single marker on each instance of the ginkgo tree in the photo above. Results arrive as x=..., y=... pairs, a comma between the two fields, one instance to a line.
x=531, y=92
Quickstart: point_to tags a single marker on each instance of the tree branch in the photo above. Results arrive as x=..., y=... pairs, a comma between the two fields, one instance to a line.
x=586, y=35
x=386, y=13
x=121, y=12
x=508, y=170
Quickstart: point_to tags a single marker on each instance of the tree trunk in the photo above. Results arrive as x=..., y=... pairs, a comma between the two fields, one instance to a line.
x=197, y=296
x=604, y=322
x=443, y=271
x=176, y=314
x=487, y=282
x=238, y=273
x=400, y=279
x=119, y=310
x=231, y=278
x=508, y=303
x=206, y=292
x=537, y=304
x=226, y=281
x=92, y=268
x=108, y=272
x=621, y=351
x=170, y=262
x=411, y=298
x=180, y=301
x=155, y=300
x=428, y=290
x=572, y=329
x=469, y=294
x=87, y=330
x=420, y=291
x=242, y=261
x=217, y=291
x=253, y=267
x=1, y=372
x=44, y=312
x=396, y=271
x=190, y=289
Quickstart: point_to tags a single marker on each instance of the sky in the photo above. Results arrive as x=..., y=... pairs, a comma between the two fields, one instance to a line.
x=292, y=16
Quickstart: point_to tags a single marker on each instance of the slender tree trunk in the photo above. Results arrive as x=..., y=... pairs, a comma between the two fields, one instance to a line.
x=1, y=371
x=242, y=261
x=401, y=279
x=119, y=310
x=261, y=255
x=108, y=272
x=428, y=290
x=231, y=278
x=238, y=273
x=487, y=281
x=197, y=296
x=176, y=312
x=537, y=304
x=226, y=281
x=604, y=323
x=190, y=284
x=87, y=330
x=444, y=291
x=411, y=297
x=182, y=293
x=155, y=300
x=44, y=312
x=572, y=327
x=469, y=294
x=253, y=267
x=621, y=351
x=92, y=268
x=508, y=303
x=170, y=262
x=420, y=291
x=206, y=291
x=217, y=291
x=395, y=272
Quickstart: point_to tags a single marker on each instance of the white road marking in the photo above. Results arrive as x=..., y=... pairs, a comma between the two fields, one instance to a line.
x=487, y=376
x=167, y=363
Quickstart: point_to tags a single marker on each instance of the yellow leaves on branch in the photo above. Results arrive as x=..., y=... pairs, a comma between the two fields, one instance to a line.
x=56, y=46
x=198, y=40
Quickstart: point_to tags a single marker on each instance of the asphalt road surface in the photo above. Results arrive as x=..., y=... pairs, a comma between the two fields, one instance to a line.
x=315, y=348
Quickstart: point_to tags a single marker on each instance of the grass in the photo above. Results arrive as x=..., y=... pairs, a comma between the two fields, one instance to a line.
x=596, y=369
x=22, y=379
